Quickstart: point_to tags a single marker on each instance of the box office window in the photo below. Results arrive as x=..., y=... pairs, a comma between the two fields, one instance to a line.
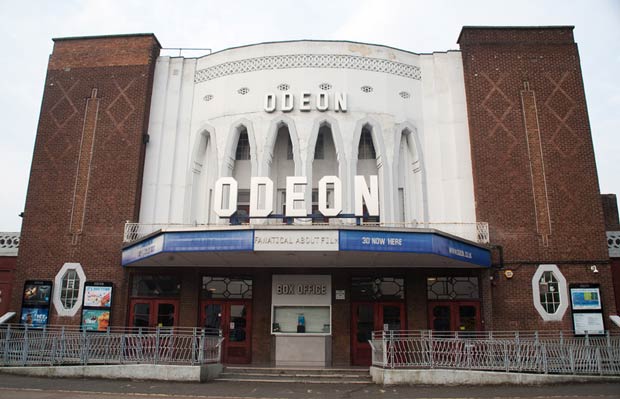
x=377, y=289
x=155, y=286
x=450, y=288
x=226, y=287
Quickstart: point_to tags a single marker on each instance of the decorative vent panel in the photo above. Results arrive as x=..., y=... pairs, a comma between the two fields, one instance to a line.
x=325, y=86
x=613, y=243
x=283, y=86
x=405, y=94
x=243, y=91
x=336, y=61
x=367, y=89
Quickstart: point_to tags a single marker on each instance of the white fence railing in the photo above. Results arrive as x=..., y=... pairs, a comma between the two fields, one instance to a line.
x=476, y=232
x=67, y=345
x=533, y=352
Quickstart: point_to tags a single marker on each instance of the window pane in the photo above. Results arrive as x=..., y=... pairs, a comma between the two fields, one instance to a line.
x=226, y=287
x=366, y=148
x=70, y=288
x=440, y=288
x=243, y=146
x=155, y=286
x=549, y=292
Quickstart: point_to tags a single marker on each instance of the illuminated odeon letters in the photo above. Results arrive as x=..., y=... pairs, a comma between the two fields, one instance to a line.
x=261, y=196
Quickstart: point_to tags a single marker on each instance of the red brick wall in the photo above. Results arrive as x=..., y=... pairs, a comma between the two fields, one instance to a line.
x=610, y=211
x=535, y=177
x=7, y=273
x=121, y=69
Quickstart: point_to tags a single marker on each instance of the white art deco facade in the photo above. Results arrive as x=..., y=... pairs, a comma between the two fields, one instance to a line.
x=209, y=119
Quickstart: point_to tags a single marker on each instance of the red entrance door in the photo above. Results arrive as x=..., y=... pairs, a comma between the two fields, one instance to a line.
x=153, y=313
x=454, y=316
x=234, y=319
x=368, y=317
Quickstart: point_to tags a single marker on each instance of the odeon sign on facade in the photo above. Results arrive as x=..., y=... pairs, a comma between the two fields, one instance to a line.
x=262, y=204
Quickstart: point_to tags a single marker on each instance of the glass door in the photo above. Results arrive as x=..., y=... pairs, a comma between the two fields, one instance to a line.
x=362, y=326
x=455, y=316
x=153, y=313
x=372, y=316
x=233, y=319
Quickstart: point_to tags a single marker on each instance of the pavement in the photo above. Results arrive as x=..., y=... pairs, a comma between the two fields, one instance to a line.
x=21, y=387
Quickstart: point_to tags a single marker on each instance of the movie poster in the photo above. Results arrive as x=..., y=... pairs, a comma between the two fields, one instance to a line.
x=95, y=319
x=97, y=296
x=96, y=306
x=34, y=317
x=37, y=293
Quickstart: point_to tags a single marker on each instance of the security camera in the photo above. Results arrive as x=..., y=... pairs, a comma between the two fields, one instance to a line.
x=594, y=269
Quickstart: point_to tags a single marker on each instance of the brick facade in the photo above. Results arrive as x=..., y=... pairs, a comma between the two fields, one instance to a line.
x=86, y=174
x=535, y=176
x=535, y=182
x=7, y=276
x=610, y=210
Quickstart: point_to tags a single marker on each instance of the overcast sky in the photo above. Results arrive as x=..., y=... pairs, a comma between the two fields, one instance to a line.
x=27, y=29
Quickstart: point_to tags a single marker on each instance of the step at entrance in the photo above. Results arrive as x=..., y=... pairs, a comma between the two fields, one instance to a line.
x=298, y=375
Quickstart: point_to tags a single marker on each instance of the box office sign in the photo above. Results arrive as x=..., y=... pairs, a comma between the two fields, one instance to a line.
x=301, y=290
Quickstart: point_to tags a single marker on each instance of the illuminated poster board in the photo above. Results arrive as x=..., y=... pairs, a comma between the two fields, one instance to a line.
x=96, y=306
x=587, y=309
x=585, y=298
x=36, y=299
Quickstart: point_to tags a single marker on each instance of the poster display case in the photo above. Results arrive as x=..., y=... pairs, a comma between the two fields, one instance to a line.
x=587, y=309
x=96, y=306
x=36, y=301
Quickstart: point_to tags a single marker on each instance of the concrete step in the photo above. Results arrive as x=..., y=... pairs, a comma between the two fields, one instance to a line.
x=295, y=375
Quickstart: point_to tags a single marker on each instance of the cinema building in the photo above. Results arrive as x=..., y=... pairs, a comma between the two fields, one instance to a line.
x=299, y=195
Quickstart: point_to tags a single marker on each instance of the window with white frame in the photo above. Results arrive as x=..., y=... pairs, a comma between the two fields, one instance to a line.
x=550, y=294
x=70, y=280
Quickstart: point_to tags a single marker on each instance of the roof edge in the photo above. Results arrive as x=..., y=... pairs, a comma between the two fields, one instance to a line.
x=58, y=39
x=517, y=27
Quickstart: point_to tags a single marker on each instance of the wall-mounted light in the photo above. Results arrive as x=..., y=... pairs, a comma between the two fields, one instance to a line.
x=508, y=274
x=594, y=269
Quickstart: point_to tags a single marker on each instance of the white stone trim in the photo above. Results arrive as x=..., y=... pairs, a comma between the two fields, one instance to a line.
x=60, y=309
x=562, y=288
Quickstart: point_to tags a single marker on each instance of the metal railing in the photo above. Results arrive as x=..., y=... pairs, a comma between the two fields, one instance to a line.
x=475, y=231
x=532, y=352
x=21, y=345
